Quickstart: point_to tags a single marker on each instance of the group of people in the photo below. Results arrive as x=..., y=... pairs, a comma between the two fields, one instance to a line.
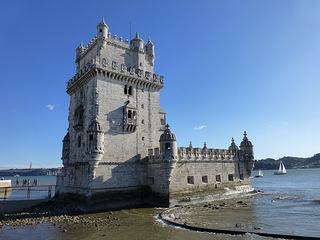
x=26, y=182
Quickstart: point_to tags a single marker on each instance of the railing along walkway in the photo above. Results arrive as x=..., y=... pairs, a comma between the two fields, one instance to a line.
x=29, y=188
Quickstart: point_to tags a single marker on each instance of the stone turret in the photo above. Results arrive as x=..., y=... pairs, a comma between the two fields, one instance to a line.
x=137, y=43
x=66, y=149
x=95, y=138
x=168, y=145
x=246, y=153
x=102, y=33
x=149, y=48
x=233, y=147
x=246, y=147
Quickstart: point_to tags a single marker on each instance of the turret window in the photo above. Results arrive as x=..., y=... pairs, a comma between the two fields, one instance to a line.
x=168, y=146
x=127, y=90
x=91, y=137
x=79, y=141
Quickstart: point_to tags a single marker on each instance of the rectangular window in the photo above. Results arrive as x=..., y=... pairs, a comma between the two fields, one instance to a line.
x=168, y=146
x=91, y=137
x=151, y=180
x=218, y=178
x=204, y=179
x=230, y=177
x=190, y=180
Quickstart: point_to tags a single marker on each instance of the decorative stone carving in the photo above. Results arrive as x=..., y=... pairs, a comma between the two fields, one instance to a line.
x=114, y=65
x=104, y=62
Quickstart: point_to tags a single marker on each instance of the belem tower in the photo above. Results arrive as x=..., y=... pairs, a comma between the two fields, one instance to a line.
x=119, y=151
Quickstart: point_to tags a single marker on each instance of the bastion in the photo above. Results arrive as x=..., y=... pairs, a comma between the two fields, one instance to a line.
x=119, y=151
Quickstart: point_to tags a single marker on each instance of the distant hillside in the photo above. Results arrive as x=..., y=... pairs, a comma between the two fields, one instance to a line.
x=29, y=172
x=289, y=162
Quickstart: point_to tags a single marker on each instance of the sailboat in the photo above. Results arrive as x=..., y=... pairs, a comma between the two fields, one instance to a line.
x=282, y=170
x=260, y=174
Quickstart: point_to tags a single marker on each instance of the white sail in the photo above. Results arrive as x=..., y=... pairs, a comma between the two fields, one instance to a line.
x=283, y=168
x=280, y=167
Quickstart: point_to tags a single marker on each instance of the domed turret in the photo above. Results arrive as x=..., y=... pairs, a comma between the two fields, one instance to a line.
x=246, y=154
x=65, y=148
x=245, y=142
x=137, y=43
x=79, y=51
x=102, y=30
x=168, y=144
x=95, y=126
x=149, y=48
x=168, y=135
x=233, y=146
x=95, y=138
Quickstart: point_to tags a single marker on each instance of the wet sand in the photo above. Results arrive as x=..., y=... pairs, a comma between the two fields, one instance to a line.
x=62, y=221
x=10, y=206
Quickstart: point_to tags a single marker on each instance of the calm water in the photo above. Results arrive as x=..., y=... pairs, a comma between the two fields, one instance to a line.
x=290, y=204
x=36, y=192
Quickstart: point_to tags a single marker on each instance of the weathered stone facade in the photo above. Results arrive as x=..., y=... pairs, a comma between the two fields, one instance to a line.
x=118, y=150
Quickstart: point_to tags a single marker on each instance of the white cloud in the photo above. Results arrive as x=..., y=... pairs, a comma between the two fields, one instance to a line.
x=269, y=128
x=200, y=127
x=51, y=107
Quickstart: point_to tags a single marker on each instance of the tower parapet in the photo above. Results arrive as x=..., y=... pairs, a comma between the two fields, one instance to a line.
x=135, y=66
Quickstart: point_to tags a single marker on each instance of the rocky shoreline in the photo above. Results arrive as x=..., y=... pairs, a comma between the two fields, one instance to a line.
x=58, y=213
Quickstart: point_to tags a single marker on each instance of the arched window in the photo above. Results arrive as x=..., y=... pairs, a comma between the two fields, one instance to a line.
x=129, y=114
x=125, y=89
x=79, y=141
x=130, y=90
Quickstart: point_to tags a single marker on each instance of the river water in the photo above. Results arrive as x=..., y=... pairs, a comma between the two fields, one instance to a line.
x=289, y=204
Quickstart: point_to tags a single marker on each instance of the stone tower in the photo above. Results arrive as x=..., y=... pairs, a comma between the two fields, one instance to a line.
x=114, y=118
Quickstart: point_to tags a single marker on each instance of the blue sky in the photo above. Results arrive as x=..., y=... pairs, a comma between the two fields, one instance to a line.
x=228, y=67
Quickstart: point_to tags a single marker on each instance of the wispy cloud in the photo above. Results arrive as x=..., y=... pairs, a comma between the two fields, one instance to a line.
x=51, y=107
x=200, y=127
x=269, y=128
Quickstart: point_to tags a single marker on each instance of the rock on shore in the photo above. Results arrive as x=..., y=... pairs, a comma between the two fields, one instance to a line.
x=58, y=213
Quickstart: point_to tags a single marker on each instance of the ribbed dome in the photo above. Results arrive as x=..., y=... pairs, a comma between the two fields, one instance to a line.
x=233, y=146
x=245, y=142
x=168, y=135
x=95, y=126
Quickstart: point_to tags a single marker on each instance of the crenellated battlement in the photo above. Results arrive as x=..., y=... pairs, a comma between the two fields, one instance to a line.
x=197, y=154
x=133, y=62
x=110, y=41
x=208, y=154
x=117, y=71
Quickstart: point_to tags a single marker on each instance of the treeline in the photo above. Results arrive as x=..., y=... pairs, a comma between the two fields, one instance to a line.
x=289, y=162
x=29, y=172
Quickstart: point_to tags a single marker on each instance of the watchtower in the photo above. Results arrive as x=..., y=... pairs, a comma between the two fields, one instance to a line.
x=114, y=117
